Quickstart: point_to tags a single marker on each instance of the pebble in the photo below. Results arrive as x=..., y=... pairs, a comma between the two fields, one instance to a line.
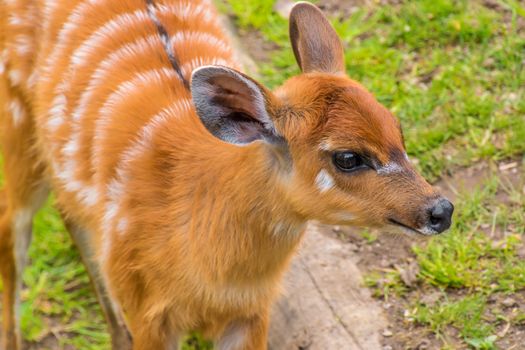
x=352, y=247
x=509, y=302
x=423, y=345
x=387, y=333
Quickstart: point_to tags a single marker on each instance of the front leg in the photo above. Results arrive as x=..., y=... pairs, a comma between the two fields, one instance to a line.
x=247, y=334
x=120, y=337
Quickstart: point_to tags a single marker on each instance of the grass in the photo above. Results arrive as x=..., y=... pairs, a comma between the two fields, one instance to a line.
x=452, y=71
x=470, y=261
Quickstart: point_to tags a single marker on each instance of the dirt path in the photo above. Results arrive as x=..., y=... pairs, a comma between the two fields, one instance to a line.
x=325, y=305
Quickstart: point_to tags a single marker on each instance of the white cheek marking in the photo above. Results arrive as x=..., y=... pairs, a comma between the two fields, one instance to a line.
x=324, y=181
x=390, y=168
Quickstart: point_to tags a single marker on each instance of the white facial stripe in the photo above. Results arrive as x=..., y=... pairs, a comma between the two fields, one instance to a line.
x=324, y=181
x=390, y=168
x=325, y=146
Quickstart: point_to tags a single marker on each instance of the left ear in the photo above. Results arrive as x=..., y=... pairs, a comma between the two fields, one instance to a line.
x=315, y=43
x=232, y=106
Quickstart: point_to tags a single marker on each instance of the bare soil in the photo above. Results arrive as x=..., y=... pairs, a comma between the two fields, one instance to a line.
x=390, y=252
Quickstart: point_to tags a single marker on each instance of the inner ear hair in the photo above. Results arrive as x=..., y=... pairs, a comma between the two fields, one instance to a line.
x=232, y=106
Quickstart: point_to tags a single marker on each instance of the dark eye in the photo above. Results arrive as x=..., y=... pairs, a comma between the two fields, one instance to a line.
x=348, y=161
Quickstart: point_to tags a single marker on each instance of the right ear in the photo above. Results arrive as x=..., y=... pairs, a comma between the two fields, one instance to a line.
x=232, y=106
x=315, y=43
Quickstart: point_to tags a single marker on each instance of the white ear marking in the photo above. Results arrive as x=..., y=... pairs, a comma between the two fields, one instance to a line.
x=324, y=181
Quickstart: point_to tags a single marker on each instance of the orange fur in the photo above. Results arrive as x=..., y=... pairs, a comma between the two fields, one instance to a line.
x=183, y=230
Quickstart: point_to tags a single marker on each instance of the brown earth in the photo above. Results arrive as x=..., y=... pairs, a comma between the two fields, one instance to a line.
x=394, y=253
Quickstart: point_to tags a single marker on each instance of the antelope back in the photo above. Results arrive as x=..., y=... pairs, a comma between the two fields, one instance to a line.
x=106, y=73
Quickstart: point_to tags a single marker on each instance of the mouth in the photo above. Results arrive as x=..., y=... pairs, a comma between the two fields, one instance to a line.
x=407, y=229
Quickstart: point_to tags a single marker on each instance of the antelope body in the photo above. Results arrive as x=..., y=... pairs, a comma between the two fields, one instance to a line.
x=185, y=184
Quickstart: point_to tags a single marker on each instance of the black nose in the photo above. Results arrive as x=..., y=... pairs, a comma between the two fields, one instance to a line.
x=441, y=215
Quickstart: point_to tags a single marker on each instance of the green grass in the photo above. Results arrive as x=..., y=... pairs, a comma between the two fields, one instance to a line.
x=468, y=266
x=466, y=314
x=59, y=300
x=468, y=257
